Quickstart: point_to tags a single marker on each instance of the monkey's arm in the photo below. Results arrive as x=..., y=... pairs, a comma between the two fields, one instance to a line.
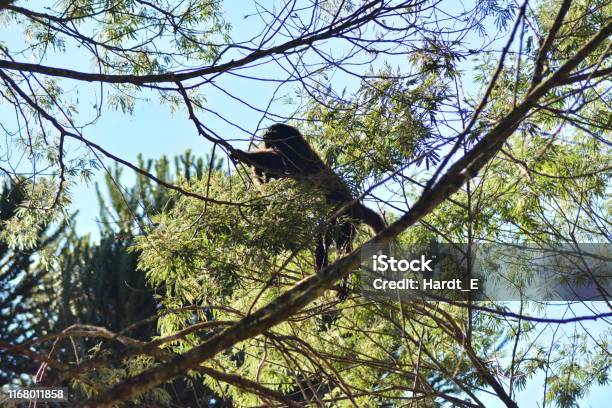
x=266, y=162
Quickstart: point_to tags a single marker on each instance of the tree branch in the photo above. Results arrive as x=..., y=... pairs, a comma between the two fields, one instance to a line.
x=542, y=53
x=347, y=24
x=250, y=386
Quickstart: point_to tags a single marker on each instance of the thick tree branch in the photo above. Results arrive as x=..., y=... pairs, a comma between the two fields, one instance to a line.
x=604, y=72
x=543, y=52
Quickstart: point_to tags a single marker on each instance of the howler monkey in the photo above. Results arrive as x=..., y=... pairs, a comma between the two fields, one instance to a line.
x=287, y=154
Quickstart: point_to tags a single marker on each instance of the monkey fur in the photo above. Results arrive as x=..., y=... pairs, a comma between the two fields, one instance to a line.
x=287, y=154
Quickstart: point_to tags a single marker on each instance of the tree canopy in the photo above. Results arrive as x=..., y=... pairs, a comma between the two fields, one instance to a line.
x=486, y=122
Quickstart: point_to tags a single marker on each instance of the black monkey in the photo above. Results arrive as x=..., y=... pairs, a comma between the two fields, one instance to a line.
x=287, y=154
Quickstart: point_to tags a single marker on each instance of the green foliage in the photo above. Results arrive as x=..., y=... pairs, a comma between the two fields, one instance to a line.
x=197, y=249
x=243, y=257
x=388, y=123
x=131, y=35
x=32, y=213
x=25, y=287
x=100, y=283
x=575, y=368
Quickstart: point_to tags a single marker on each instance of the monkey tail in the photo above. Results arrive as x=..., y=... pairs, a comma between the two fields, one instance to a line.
x=367, y=216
